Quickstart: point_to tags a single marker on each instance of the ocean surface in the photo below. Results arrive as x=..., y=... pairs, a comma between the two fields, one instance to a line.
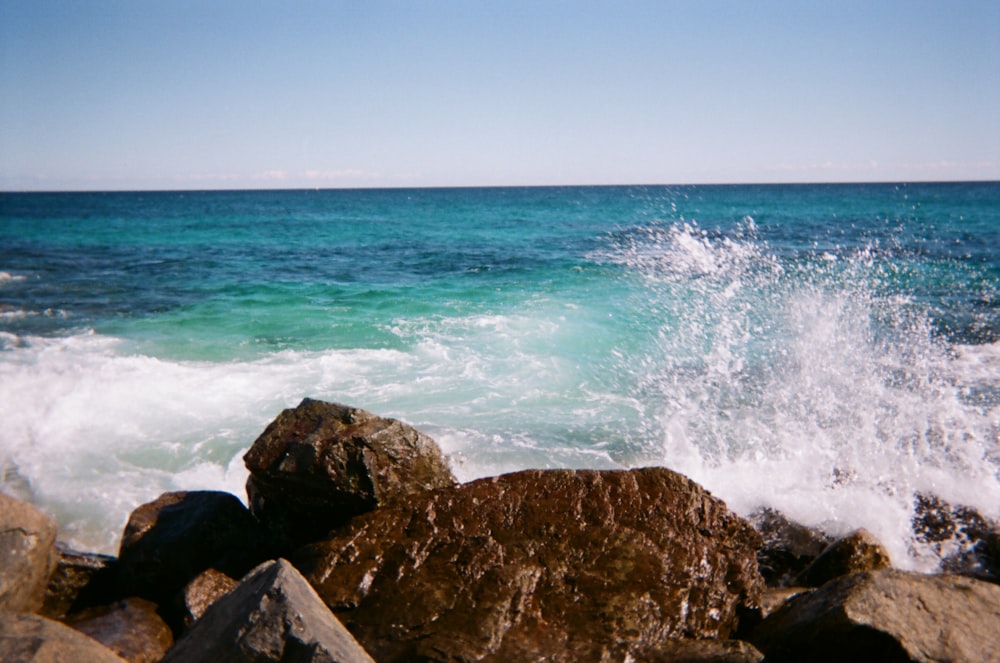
x=827, y=350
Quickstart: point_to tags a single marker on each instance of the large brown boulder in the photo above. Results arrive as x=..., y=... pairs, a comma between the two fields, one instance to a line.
x=533, y=565
x=35, y=639
x=27, y=555
x=789, y=547
x=888, y=616
x=273, y=615
x=319, y=464
x=168, y=541
x=199, y=594
x=131, y=628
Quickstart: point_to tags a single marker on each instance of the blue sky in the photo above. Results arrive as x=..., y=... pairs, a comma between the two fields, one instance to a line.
x=136, y=94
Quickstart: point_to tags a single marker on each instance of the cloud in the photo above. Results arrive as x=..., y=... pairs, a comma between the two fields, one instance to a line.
x=343, y=175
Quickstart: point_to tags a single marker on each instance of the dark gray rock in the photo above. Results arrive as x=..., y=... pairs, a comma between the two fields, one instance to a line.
x=967, y=542
x=788, y=548
x=888, y=616
x=168, y=541
x=273, y=615
x=130, y=628
x=319, y=464
x=27, y=555
x=854, y=553
x=81, y=580
x=35, y=639
x=539, y=565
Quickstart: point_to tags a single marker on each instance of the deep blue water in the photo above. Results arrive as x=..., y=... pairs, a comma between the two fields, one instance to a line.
x=762, y=339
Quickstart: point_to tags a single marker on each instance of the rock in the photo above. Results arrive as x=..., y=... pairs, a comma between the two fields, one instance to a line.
x=273, y=615
x=206, y=588
x=788, y=546
x=168, y=541
x=856, y=552
x=966, y=541
x=529, y=565
x=131, y=628
x=81, y=580
x=318, y=465
x=27, y=555
x=700, y=651
x=35, y=639
x=887, y=615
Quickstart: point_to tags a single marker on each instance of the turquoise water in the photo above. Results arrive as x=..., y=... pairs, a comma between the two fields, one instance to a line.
x=825, y=349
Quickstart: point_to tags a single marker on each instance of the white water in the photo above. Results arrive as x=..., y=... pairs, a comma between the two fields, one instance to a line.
x=811, y=392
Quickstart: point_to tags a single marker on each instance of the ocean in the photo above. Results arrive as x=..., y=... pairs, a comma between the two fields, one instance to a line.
x=827, y=350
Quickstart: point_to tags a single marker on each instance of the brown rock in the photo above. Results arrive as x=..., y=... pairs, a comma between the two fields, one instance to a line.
x=318, y=465
x=27, y=555
x=789, y=547
x=700, y=651
x=168, y=541
x=888, y=616
x=273, y=615
x=34, y=639
x=856, y=552
x=206, y=588
x=529, y=565
x=81, y=580
x=966, y=540
x=131, y=628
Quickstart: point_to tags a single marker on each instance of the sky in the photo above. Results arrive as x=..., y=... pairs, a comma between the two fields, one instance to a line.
x=210, y=94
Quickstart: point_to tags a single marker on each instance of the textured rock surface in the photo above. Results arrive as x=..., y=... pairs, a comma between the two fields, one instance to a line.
x=530, y=565
x=81, y=580
x=170, y=540
x=130, y=628
x=700, y=651
x=887, y=616
x=206, y=588
x=273, y=615
x=789, y=547
x=856, y=552
x=27, y=555
x=319, y=464
x=967, y=542
x=35, y=639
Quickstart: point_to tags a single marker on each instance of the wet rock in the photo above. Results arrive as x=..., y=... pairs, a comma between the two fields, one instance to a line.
x=528, y=566
x=788, y=548
x=319, y=464
x=27, y=555
x=206, y=588
x=81, y=580
x=856, y=552
x=967, y=542
x=273, y=615
x=35, y=639
x=170, y=540
x=130, y=628
x=889, y=616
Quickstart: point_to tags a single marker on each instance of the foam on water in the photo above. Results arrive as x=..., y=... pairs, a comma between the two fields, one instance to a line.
x=809, y=387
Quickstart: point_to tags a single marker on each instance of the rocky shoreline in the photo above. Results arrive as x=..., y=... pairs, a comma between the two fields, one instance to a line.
x=360, y=545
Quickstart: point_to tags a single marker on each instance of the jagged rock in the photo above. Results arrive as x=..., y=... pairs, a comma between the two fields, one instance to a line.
x=529, y=565
x=789, y=547
x=170, y=540
x=35, y=639
x=699, y=651
x=319, y=464
x=131, y=628
x=207, y=588
x=887, y=615
x=966, y=541
x=81, y=580
x=27, y=555
x=273, y=615
x=856, y=552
